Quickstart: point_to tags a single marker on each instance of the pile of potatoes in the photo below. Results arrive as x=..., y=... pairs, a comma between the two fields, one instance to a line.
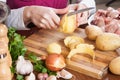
x=103, y=41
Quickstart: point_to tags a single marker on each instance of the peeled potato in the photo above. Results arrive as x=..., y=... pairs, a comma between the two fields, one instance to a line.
x=68, y=24
x=108, y=41
x=114, y=66
x=93, y=31
x=54, y=48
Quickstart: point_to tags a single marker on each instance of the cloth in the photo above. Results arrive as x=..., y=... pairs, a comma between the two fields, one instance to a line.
x=15, y=18
x=14, y=4
x=3, y=0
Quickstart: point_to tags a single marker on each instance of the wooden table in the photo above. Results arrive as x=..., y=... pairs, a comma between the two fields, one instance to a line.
x=77, y=75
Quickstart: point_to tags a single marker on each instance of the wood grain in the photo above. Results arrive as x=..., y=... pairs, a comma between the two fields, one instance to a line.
x=84, y=64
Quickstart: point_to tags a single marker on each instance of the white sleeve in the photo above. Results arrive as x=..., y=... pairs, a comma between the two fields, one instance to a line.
x=15, y=19
x=89, y=3
x=3, y=0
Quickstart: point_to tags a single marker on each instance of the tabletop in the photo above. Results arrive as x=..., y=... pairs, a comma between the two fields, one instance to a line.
x=77, y=76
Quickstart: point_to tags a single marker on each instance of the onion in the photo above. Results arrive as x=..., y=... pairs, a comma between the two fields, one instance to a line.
x=55, y=62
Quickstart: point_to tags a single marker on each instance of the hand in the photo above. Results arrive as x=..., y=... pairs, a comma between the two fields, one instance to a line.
x=43, y=17
x=81, y=17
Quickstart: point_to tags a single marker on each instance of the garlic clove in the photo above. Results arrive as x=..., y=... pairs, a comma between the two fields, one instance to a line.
x=30, y=77
x=45, y=75
x=23, y=66
x=52, y=77
x=40, y=76
x=64, y=74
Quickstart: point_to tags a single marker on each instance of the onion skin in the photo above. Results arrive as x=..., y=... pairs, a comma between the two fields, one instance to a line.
x=55, y=62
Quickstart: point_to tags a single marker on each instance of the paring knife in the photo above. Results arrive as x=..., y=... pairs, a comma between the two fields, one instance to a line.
x=79, y=11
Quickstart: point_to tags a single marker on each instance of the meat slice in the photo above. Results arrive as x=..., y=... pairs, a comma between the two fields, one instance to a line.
x=101, y=12
x=109, y=19
x=118, y=31
x=113, y=14
x=112, y=26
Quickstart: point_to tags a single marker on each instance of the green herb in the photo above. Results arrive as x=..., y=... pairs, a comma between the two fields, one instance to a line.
x=19, y=77
x=39, y=65
x=13, y=69
x=16, y=46
x=32, y=58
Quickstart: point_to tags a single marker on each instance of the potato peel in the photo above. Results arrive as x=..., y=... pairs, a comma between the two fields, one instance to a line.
x=83, y=49
x=72, y=39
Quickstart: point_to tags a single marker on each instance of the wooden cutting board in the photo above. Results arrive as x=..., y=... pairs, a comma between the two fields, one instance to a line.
x=38, y=42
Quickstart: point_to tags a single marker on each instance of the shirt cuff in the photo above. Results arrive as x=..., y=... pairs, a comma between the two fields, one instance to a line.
x=15, y=19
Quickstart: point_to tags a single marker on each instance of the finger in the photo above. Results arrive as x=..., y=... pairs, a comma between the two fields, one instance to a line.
x=55, y=18
x=50, y=21
x=37, y=22
x=41, y=25
x=46, y=23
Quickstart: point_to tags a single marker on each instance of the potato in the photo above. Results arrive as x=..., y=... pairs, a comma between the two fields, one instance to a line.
x=93, y=31
x=114, y=66
x=68, y=24
x=54, y=48
x=108, y=41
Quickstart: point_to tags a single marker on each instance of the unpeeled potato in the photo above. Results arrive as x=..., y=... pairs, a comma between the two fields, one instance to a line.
x=114, y=66
x=108, y=41
x=93, y=31
x=67, y=24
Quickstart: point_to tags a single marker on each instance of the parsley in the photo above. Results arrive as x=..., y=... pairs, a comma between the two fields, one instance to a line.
x=39, y=65
x=16, y=46
x=19, y=77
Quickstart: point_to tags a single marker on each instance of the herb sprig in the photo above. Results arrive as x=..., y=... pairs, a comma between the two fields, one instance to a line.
x=16, y=46
x=39, y=65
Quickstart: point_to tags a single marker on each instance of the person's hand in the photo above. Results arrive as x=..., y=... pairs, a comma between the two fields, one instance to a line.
x=81, y=17
x=43, y=17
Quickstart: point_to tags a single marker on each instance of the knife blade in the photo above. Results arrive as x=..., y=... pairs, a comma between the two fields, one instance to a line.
x=79, y=11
